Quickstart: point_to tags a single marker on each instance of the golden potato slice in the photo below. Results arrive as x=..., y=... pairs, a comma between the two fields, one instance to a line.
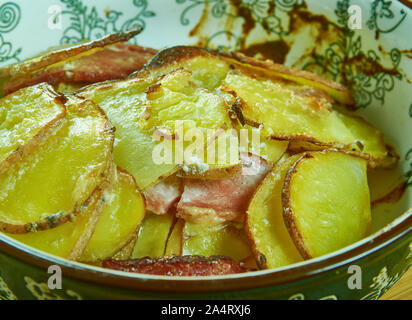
x=210, y=67
x=297, y=117
x=27, y=118
x=64, y=54
x=123, y=212
x=142, y=109
x=299, y=103
x=175, y=241
x=124, y=103
x=219, y=240
x=326, y=202
x=48, y=187
x=271, y=243
x=153, y=235
x=69, y=239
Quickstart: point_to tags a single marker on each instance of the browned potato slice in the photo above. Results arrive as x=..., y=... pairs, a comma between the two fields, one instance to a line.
x=326, y=202
x=69, y=239
x=271, y=243
x=219, y=240
x=27, y=118
x=49, y=186
x=174, y=244
x=153, y=235
x=55, y=56
x=210, y=67
x=137, y=107
x=299, y=118
x=123, y=212
x=299, y=103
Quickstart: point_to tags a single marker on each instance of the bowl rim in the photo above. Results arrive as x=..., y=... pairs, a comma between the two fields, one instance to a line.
x=400, y=228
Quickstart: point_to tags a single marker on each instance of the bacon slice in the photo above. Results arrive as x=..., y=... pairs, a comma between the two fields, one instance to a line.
x=216, y=201
x=115, y=61
x=163, y=196
x=178, y=266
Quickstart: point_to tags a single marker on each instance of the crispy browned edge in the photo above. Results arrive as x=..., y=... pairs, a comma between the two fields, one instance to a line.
x=177, y=54
x=301, y=143
x=54, y=220
x=288, y=214
x=63, y=54
x=122, y=173
x=269, y=68
x=258, y=256
x=41, y=135
x=97, y=204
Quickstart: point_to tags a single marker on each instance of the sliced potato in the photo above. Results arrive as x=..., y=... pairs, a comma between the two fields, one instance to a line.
x=218, y=240
x=326, y=202
x=48, y=187
x=177, y=98
x=141, y=108
x=69, y=239
x=175, y=241
x=123, y=212
x=210, y=67
x=271, y=243
x=27, y=118
x=300, y=103
x=153, y=235
x=124, y=103
x=64, y=54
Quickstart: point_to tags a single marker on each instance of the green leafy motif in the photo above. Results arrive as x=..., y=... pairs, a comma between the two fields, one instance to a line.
x=362, y=71
x=88, y=23
x=381, y=10
x=9, y=19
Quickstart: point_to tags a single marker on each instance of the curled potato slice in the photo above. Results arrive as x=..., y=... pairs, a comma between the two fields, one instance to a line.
x=48, y=187
x=63, y=54
x=27, y=118
x=271, y=243
x=124, y=210
x=326, y=202
x=219, y=240
x=153, y=235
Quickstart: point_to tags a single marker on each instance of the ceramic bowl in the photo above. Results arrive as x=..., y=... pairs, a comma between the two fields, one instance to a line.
x=364, y=44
